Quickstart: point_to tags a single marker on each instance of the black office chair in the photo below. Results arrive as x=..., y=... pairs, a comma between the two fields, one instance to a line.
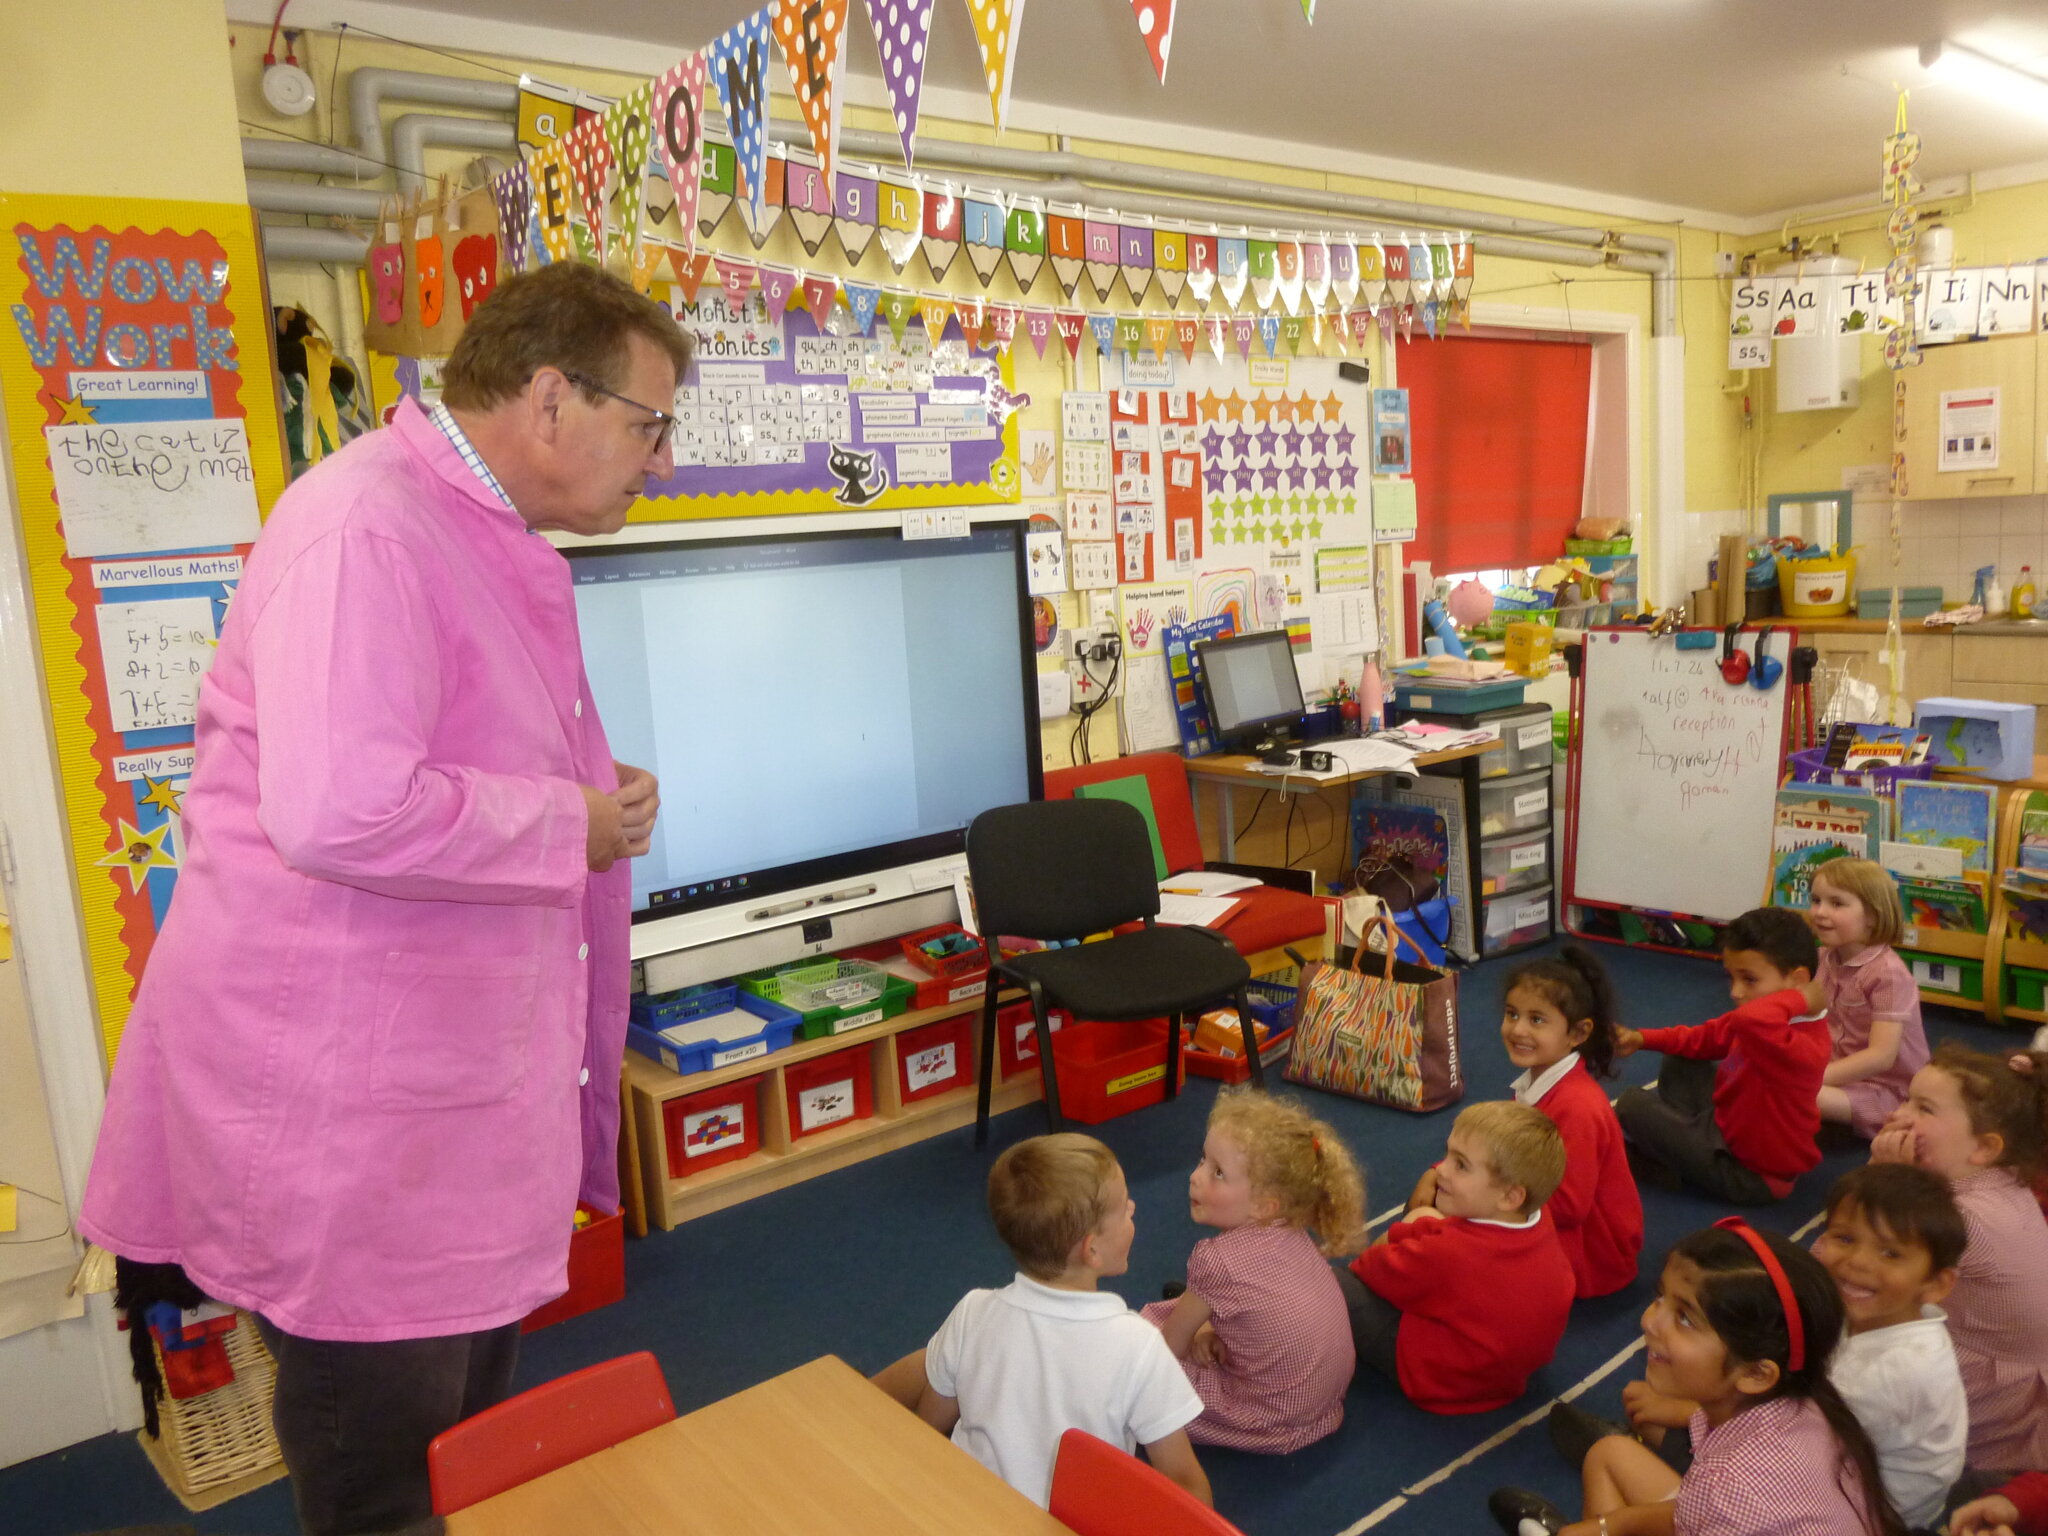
x=1063, y=869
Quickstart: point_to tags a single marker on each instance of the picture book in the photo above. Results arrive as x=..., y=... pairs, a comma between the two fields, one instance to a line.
x=1815, y=825
x=1954, y=816
x=1953, y=906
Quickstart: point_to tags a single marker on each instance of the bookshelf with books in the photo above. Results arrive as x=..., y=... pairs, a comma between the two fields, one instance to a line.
x=2019, y=913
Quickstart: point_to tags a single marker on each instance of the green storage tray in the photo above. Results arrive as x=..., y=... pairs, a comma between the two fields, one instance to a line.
x=1914, y=602
x=2026, y=988
x=1946, y=976
x=897, y=992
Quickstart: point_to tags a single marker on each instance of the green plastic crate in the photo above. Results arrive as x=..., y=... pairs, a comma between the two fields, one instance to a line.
x=1947, y=976
x=897, y=992
x=2025, y=988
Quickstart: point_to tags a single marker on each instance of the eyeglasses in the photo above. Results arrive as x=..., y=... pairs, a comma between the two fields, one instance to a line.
x=662, y=419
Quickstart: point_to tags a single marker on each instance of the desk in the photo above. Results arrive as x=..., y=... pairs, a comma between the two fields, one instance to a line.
x=1228, y=771
x=817, y=1451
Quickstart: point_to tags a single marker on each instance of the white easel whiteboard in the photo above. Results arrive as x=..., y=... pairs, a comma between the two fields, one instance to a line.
x=1678, y=775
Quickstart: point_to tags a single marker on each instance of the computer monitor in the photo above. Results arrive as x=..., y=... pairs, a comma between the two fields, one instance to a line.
x=1254, y=692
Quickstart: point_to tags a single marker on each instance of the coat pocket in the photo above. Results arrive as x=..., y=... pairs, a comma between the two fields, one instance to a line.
x=451, y=1032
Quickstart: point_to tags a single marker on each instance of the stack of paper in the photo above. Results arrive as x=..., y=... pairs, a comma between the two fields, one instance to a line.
x=1207, y=882
x=1197, y=911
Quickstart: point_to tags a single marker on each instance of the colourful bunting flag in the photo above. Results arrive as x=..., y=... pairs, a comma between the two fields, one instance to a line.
x=513, y=194
x=1066, y=242
x=1262, y=266
x=1290, y=332
x=1038, y=328
x=1024, y=240
x=810, y=32
x=1232, y=267
x=1170, y=259
x=996, y=24
x=1372, y=273
x=647, y=260
x=762, y=214
x=862, y=300
x=737, y=64
x=1202, y=247
x=678, y=134
x=941, y=228
x=981, y=219
x=589, y=154
x=1269, y=332
x=820, y=295
x=1187, y=333
x=717, y=183
x=1070, y=323
x=628, y=126
x=897, y=309
x=1099, y=241
x=1213, y=328
x=1361, y=326
x=1155, y=25
x=736, y=277
x=549, y=168
x=691, y=270
x=776, y=288
x=1344, y=271
x=1130, y=333
x=902, y=28
x=853, y=209
x=1103, y=329
x=1315, y=272
x=1287, y=273
x=1308, y=10
x=934, y=310
x=1158, y=333
x=809, y=201
x=1242, y=329
x=1002, y=325
x=899, y=214
x=1399, y=289
x=1134, y=255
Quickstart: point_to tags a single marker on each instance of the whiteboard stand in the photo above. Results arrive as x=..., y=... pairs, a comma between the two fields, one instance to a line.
x=1672, y=780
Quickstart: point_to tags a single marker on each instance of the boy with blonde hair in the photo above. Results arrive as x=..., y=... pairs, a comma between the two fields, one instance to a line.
x=1468, y=1294
x=1011, y=1370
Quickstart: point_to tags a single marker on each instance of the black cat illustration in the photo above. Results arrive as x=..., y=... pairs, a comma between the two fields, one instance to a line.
x=861, y=478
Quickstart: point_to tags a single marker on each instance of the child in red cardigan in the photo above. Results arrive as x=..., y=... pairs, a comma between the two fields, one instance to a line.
x=1468, y=1295
x=1558, y=1026
x=1745, y=1132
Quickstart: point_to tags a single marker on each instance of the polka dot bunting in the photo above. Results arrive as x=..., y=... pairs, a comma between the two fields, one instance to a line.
x=809, y=32
x=1155, y=25
x=737, y=62
x=996, y=24
x=902, y=28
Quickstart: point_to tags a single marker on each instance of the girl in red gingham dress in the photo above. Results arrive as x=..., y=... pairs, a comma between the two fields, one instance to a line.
x=1262, y=1328
x=1977, y=1121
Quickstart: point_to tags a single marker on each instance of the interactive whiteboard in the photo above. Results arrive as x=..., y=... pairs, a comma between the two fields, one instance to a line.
x=1677, y=775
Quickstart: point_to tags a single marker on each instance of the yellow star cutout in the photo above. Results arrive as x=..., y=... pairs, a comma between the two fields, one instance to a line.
x=1331, y=406
x=139, y=853
x=1231, y=406
x=1210, y=405
x=164, y=795
x=1260, y=408
x=75, y=412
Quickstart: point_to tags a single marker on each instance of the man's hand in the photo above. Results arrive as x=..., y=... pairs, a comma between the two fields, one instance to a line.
x=604, y=839
x=1627, y=1042
x=639, y=799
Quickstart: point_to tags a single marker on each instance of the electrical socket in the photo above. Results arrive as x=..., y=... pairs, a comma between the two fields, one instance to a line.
x=1724, y=263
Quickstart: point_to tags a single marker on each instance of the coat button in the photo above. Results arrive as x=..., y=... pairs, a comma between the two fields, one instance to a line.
x=583, y=952
x=583, y=1078
x=579, y=709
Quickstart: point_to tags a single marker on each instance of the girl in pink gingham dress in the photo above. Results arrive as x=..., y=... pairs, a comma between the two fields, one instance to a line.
x=1262, y=1329
x=1873, y=1002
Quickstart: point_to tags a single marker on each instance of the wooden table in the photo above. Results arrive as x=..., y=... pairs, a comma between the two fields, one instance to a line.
x=817, y=1451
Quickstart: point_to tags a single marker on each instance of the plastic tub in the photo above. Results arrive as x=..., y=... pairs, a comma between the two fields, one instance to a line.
x=1517, y=862
x=1017, y=1037
x=1273, y=1007
x=1510, y=922
x=1108, y=1068
x=832, y=1018
x=934, y=1057
x=1525, y=733
x=1810, y=767
x=1946, y=976
x=597, y=1270
x=1820, y=588
x=829, y=1090
x=755, y=1027
x=661, y=1009
x=1515, y=804
x=947, y=950
x=716, y=1125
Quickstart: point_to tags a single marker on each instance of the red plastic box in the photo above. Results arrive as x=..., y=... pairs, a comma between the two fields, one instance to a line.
x=1017, y=1037
x=934, y=1057
x=964, y=963
x=716, y=1125
x=829, y=1090
x=597, y=1271
x=1109, y=1069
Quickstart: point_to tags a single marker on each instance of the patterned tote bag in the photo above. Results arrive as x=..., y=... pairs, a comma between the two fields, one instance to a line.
x=1390, y=1038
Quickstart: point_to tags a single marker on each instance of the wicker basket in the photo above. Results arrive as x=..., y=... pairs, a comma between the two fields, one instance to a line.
x=220, y=1444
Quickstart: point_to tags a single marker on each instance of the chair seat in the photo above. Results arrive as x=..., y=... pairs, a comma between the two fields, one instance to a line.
x=1137, y=975
x=1272, y=917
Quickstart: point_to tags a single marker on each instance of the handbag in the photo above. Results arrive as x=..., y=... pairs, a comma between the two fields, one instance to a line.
x=1390, y=1038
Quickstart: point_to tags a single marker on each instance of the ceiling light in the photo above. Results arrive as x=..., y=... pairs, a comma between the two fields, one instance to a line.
x=1993, y=79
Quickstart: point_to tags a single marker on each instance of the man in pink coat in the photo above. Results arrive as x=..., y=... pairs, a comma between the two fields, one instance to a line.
x=374, y=1061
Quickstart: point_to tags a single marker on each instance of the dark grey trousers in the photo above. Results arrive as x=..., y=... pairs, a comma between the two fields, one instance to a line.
x=1375, y=1323
x=354, y=1421
x=1673, y=1125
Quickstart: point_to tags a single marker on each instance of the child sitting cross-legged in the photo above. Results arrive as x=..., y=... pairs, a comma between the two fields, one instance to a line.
x=1262, y=1327
x=1743, y=1326
x=1873, y=1002
x=1469, y=1293
x=1012, y=1370
x=1743, y=1132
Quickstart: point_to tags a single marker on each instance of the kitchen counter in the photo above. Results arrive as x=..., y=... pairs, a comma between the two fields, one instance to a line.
x=1912, y=626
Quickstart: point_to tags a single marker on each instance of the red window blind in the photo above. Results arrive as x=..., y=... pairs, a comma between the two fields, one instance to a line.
x=1499, y=448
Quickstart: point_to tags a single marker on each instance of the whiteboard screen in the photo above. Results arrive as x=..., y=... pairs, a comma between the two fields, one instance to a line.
x=1677, y=778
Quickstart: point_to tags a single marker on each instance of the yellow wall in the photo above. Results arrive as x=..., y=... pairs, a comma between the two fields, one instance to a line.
x=118, y=99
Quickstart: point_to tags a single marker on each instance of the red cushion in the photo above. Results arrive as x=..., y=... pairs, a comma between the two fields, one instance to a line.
x=1173, y=808
x=1271, y=917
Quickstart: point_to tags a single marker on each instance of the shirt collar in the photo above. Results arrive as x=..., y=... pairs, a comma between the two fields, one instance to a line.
x=1868, y=953
x=1524, y=1224
x=1528, y=1090
x=444, y=419
x=1036, y=1296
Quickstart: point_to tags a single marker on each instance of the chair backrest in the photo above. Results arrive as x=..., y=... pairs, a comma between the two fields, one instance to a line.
x=556, y=1423
x=1060, y=869
x=1173, y=807
x=1099, y=1490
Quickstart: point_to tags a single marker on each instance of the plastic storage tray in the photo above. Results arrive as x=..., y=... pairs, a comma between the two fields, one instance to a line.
x=1515, y=804
x=934, y=1057
x=1510, y=922
x=973, y=956
x=830, y=1090
x=1017, y=1036
x=1272, y=1006
x=832, y=1018
x=753, y=1027
x=661, y=1009
x=1108, y=1069
x=716, y=1125
x=597, y=1270
x=1525, y=732
x=1945, y=975
x=1518, y=862
x=1417, y=695
x=2026, y=988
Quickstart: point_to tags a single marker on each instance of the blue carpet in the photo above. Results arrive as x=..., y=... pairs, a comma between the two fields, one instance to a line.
x=865, y=1262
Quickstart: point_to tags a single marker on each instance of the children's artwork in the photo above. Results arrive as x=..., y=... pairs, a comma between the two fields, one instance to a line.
x=1390, y=432
x=1144, y=612
x=1084, y=416
x=781, y=417
x=155, y=653
x=131, y=487
x=1092, y=564
x=1958, y=817
x=1228, y=593
x=1046, y=561
x=1037, y=461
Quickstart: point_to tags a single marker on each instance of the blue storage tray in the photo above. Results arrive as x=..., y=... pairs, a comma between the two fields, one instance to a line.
x=1417, y=695
x=758, y=1028
x=660, y=1009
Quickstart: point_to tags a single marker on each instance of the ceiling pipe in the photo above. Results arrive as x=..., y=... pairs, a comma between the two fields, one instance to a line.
x=369, y=89
x=316, y=159
x=411, y=135
x=296, y=242
x=268, y=196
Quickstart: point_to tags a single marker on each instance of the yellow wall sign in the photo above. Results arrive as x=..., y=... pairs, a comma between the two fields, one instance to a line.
x=142, y=422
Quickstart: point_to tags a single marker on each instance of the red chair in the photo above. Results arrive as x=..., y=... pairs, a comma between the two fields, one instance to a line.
x=556, y=1423
x=1098, y=1490
x=1272, y=917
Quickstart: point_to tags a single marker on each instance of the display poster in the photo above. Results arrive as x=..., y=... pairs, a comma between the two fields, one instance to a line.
x=143, y=430
x=1968, y=432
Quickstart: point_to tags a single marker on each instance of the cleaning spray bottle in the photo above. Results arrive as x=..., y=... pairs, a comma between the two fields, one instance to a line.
x=2023, y=594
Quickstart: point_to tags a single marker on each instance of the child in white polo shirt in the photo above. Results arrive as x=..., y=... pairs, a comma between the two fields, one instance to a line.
x=1011, y=1370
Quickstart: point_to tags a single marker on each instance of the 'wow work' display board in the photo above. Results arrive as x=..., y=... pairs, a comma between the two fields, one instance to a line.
x=778, y=416
x=142, y=425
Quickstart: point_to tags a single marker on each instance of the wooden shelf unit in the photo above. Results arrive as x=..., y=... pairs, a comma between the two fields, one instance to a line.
x=784, y=1159
x=2010, y=952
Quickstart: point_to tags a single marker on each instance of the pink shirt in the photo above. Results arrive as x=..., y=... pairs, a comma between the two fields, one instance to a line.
x=375, y=1056
x=1286, y=1333
x=1875, y=985
x=1772, y=1470
x=1998, y=1318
